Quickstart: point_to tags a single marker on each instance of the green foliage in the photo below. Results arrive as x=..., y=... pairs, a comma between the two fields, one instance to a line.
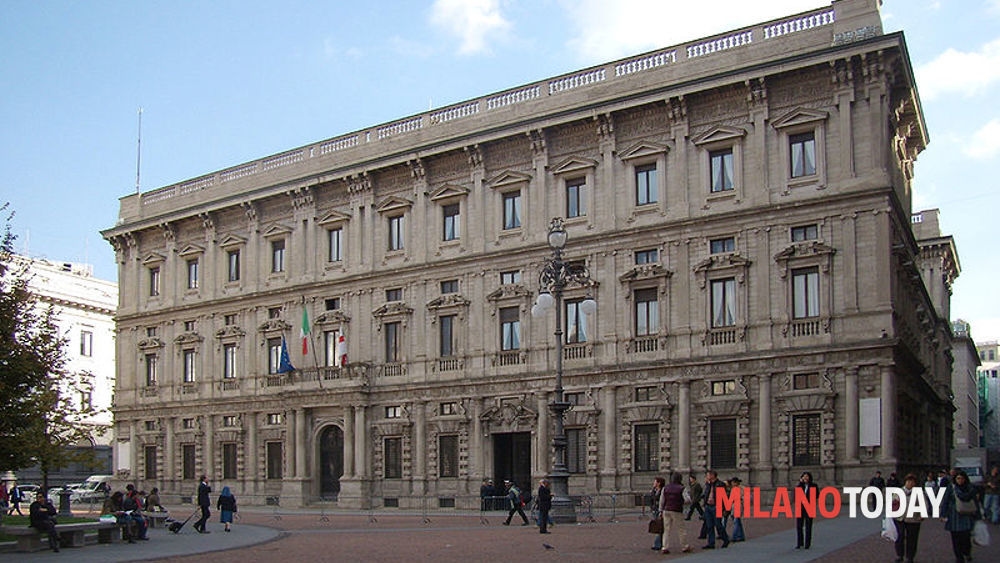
x=40, y=417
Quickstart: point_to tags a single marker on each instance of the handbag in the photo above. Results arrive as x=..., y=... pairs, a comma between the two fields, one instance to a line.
x=655, y=526
x=965, y=507
x=980, y=534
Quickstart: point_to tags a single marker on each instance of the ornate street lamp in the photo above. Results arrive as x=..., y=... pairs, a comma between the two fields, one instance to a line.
x=555, y=275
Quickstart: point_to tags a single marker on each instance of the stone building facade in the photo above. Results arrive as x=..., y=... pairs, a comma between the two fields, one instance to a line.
x=741, y=202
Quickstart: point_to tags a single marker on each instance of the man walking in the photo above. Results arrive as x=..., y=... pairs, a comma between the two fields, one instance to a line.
x=204, y=502
x=714, y=524
x=544, y=506
x=514, y=498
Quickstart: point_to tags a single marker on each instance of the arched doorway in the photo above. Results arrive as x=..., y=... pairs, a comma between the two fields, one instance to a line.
x=331, y=460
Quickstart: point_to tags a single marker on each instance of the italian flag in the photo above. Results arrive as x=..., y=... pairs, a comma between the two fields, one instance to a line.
x=304, y=331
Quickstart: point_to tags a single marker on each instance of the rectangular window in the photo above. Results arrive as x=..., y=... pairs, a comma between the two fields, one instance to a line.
x=645, y=394
x=396, y=233
x=722, y=442
x=451, y=218
x=391, y=342
x=190, y=326
x=274, y=313
x=724, y=387
x=510, y=329
x=806, y=439
x=273, y=355
x=393, y=450
x=229, y=361
x=449, y=286
x=192, y=270
x=275, y=455
x=189, y=366
x=335, y=245
x=646, y=191
x=576, y=197
x=233, y=265
x=512, y=210
x=805, y=381
x=576, y=450
x=154, y=282
x=229, y=461
x=576, y=322
x=330, y=338
x=151, y=370
x=277, y=256
x=150, y=425
x=513, y=276
x=805, y=293
x=448, y=456
x=724, y=302
x=647, y=312
x=332, y=304
x=394, y=411
x=646, y=451
x=721, y=163
x=802, y=149
x=721, y=245
x=188, y=457
x=394, y=294
x=449, y=408
x=229, y=320
x=647, y=256
x=149, y=456
x=187, y=423
x=86, y=400
x=151, y=332
x=230, y=420
x=575, y=398
x=446, y=330
x=275, y=418
x=86, y=343
x=805, y=232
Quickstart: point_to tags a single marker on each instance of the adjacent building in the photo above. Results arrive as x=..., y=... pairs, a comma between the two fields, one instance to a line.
x=349, y=319
x=989, y=395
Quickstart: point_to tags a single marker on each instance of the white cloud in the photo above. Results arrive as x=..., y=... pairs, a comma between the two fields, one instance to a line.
x=607, y=30
x=963, y=73
x=985, y=142
x=473, y=22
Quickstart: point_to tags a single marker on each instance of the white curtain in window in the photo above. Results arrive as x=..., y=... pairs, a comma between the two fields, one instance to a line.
x=724, y=303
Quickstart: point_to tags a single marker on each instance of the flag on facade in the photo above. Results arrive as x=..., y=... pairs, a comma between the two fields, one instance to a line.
x=304, y=331
x=284, y=362
x=341, y=350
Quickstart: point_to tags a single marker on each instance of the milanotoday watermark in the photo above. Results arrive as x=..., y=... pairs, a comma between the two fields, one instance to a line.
x=871, y=502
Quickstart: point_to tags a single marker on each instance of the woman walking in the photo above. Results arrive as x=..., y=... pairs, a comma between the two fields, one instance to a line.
x=907, y=528
x=961, y=510
x=227, y=507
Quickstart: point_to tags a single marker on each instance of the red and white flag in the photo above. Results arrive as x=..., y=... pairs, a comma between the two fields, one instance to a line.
x=341, y=350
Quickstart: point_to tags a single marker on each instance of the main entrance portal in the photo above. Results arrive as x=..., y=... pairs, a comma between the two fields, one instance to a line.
x=331, y=460
x=512, y=458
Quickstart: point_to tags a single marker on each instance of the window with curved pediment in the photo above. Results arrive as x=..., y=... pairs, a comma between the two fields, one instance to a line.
x=333, y=328
x=805, y=268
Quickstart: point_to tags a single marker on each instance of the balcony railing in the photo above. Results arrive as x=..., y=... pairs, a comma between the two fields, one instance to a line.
x=508, y=358
x=450, y=364
x=812, y=327
x=231, y=384
x=645, y=344
x=578, y=351
x=722, y=336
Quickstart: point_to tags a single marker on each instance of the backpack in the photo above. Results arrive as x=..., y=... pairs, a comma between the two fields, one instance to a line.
x=525, y=497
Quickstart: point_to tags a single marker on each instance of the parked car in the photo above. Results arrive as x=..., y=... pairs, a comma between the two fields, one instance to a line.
x=95, y=489
x=29, y=492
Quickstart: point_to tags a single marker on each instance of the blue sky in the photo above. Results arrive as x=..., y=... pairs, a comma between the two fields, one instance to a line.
x=225, y=82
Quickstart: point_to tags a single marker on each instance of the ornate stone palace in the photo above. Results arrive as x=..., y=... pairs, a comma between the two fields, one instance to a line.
x=743, y=206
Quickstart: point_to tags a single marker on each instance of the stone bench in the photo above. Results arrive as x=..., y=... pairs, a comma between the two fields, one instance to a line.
x=156, y=519
x=70, y=535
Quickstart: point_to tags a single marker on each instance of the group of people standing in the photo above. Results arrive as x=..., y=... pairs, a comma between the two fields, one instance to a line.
x=667, y=502
x=962, y=506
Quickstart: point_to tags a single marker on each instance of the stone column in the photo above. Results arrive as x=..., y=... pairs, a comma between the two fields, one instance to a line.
x=169, y=472
x=851, y=414
x=290, y=433
x=610, y=415
x=361, y=433
x=419, y=446
x=888, y=416
x=250, y=454
x=133, y=451
x=543, y=461
x=348, y=442
x=208, y=464
x=476, y=443
x=764, y=421
x=301, y=439
x=684, y=427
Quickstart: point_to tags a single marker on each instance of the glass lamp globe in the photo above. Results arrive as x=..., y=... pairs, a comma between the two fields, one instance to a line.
x=545, y=301
x=537, y=311
x=557, y=238
x=589, y=306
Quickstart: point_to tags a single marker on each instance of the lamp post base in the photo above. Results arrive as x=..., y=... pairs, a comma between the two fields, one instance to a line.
x=563, y=511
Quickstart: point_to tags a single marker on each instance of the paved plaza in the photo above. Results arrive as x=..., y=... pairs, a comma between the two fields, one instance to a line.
x=268, y=535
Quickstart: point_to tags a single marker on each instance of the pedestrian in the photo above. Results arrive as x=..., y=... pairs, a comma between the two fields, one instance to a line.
x=227, y=507
x=907, y=528
x=654, y=508
x=204, y=503
x=877, y=481
x=738, y=533
x=803, y=522
x=695, y=490
x=514, y=500
x=544, y=506
x=672, y=512
x=714, y=524
x=893, y=481
x=486, y=491
x=4, y=499
x=16, y=497
x=153, y=501
x=931, y=482
x=961, y=511
x=991, y=496
x=42, y=516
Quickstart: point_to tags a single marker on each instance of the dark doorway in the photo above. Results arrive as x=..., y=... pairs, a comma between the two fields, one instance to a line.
x=512, y=458
x=331, y=460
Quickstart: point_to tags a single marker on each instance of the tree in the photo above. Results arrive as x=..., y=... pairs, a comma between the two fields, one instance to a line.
x=37, y=394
